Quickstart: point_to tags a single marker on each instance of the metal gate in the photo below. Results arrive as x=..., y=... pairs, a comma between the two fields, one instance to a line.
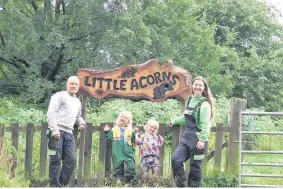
x=242, y=133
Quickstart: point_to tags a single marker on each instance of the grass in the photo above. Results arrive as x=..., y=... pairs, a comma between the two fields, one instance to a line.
x=263, y=158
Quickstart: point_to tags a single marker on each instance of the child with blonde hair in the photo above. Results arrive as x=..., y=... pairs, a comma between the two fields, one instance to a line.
x=123, y=142
x=149, y=148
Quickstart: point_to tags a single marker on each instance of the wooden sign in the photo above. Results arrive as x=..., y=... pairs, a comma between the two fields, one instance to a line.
x=148, y=81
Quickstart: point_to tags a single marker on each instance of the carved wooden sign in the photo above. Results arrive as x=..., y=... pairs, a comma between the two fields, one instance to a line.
x=148, y=81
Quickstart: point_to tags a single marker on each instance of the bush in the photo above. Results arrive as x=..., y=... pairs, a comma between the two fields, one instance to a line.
x=5, y=180
x=219, y=179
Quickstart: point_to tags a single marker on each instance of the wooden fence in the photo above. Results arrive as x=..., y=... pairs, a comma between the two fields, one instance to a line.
x=84, y=144
x=85, y=148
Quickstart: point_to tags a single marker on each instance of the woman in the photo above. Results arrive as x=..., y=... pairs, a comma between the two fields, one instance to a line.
x=197, y=121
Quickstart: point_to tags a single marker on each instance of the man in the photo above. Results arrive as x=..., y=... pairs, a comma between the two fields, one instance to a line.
x=63, y=112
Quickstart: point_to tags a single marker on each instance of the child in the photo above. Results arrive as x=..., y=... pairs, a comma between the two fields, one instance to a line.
x=123, y=152
x=149, y=149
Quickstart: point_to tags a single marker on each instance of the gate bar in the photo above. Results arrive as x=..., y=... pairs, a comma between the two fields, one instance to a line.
x=261, y=152
x=260, y=186
x=258, y=132
x=262, y=164
x=258, y=152
x=262, y=175
x=263, y=113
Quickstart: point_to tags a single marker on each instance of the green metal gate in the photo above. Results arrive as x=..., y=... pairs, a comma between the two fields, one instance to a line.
x=242, y=163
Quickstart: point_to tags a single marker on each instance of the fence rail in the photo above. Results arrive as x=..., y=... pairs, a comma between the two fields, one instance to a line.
x=85, y=148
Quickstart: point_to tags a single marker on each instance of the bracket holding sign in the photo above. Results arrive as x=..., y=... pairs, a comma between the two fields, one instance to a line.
x=148, y=81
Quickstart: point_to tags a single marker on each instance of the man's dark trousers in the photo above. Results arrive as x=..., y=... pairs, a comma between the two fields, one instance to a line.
x=65, y=151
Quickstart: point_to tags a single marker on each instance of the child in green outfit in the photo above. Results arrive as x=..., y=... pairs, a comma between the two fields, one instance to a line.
x=122, y=136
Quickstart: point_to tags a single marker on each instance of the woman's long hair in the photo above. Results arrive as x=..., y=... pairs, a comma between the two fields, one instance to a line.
x=206, y=93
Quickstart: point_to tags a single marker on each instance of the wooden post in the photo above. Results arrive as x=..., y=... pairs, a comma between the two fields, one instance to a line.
x=108, y=160
x=82, y=144
x=72, y=181
x=81, y=160
x=29, y=148
x=102, y=154
x=218, y=146
x=175, y=137
x=175, y=142
x=1, y=139
x=236, y=106
x=15, y=144
x=204, y=161
x=43, y=151
x=162, y=133
x=182, y=128
x=87, y=151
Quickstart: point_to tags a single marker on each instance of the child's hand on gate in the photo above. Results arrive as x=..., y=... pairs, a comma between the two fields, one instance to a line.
x=106, y=127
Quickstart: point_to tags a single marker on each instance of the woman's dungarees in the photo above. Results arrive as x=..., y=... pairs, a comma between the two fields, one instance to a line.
x=187, y=150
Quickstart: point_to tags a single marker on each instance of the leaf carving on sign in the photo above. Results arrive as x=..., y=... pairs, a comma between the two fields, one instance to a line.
x=151, y=81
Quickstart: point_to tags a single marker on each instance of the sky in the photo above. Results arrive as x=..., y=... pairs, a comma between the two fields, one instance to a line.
x=279, y=5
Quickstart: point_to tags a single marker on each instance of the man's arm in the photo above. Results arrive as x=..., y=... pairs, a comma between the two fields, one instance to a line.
x=79, y=120
x=54, y=105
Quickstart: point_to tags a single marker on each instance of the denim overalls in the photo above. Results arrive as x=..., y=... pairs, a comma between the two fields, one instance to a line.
x=187, y=150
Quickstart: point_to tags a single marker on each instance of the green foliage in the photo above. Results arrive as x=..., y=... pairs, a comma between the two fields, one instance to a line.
x=163, y=112
x=13, y=111
x=229, y=42
x=219, y=179
x=248, y=27
x=163, y=181
x=5, y=180
x=256, y=79
x=252, y=23
x=141, y=111
x=222, y=106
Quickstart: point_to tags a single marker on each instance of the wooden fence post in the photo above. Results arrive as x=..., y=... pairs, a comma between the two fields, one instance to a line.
x=218, y=146
x=72, y=181
x=29, y=149
x=102, y=155
x=175, y=142
x=81, y=159
x=1, y=139
x=236, y=106
x=108, y=158
x=162, y=133
x=175, y=137
x=43, y=151
x=204, y=161
x=15, y=144
x=82, y=145
x=182, y=128
x=87, y=151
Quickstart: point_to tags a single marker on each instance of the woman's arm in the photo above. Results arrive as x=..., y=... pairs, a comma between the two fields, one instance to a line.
x=204, y=123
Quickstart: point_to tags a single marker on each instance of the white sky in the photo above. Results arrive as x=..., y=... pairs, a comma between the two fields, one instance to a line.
x=278, y=5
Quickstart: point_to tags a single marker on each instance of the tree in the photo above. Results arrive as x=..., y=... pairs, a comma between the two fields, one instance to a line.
x=222, y=40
